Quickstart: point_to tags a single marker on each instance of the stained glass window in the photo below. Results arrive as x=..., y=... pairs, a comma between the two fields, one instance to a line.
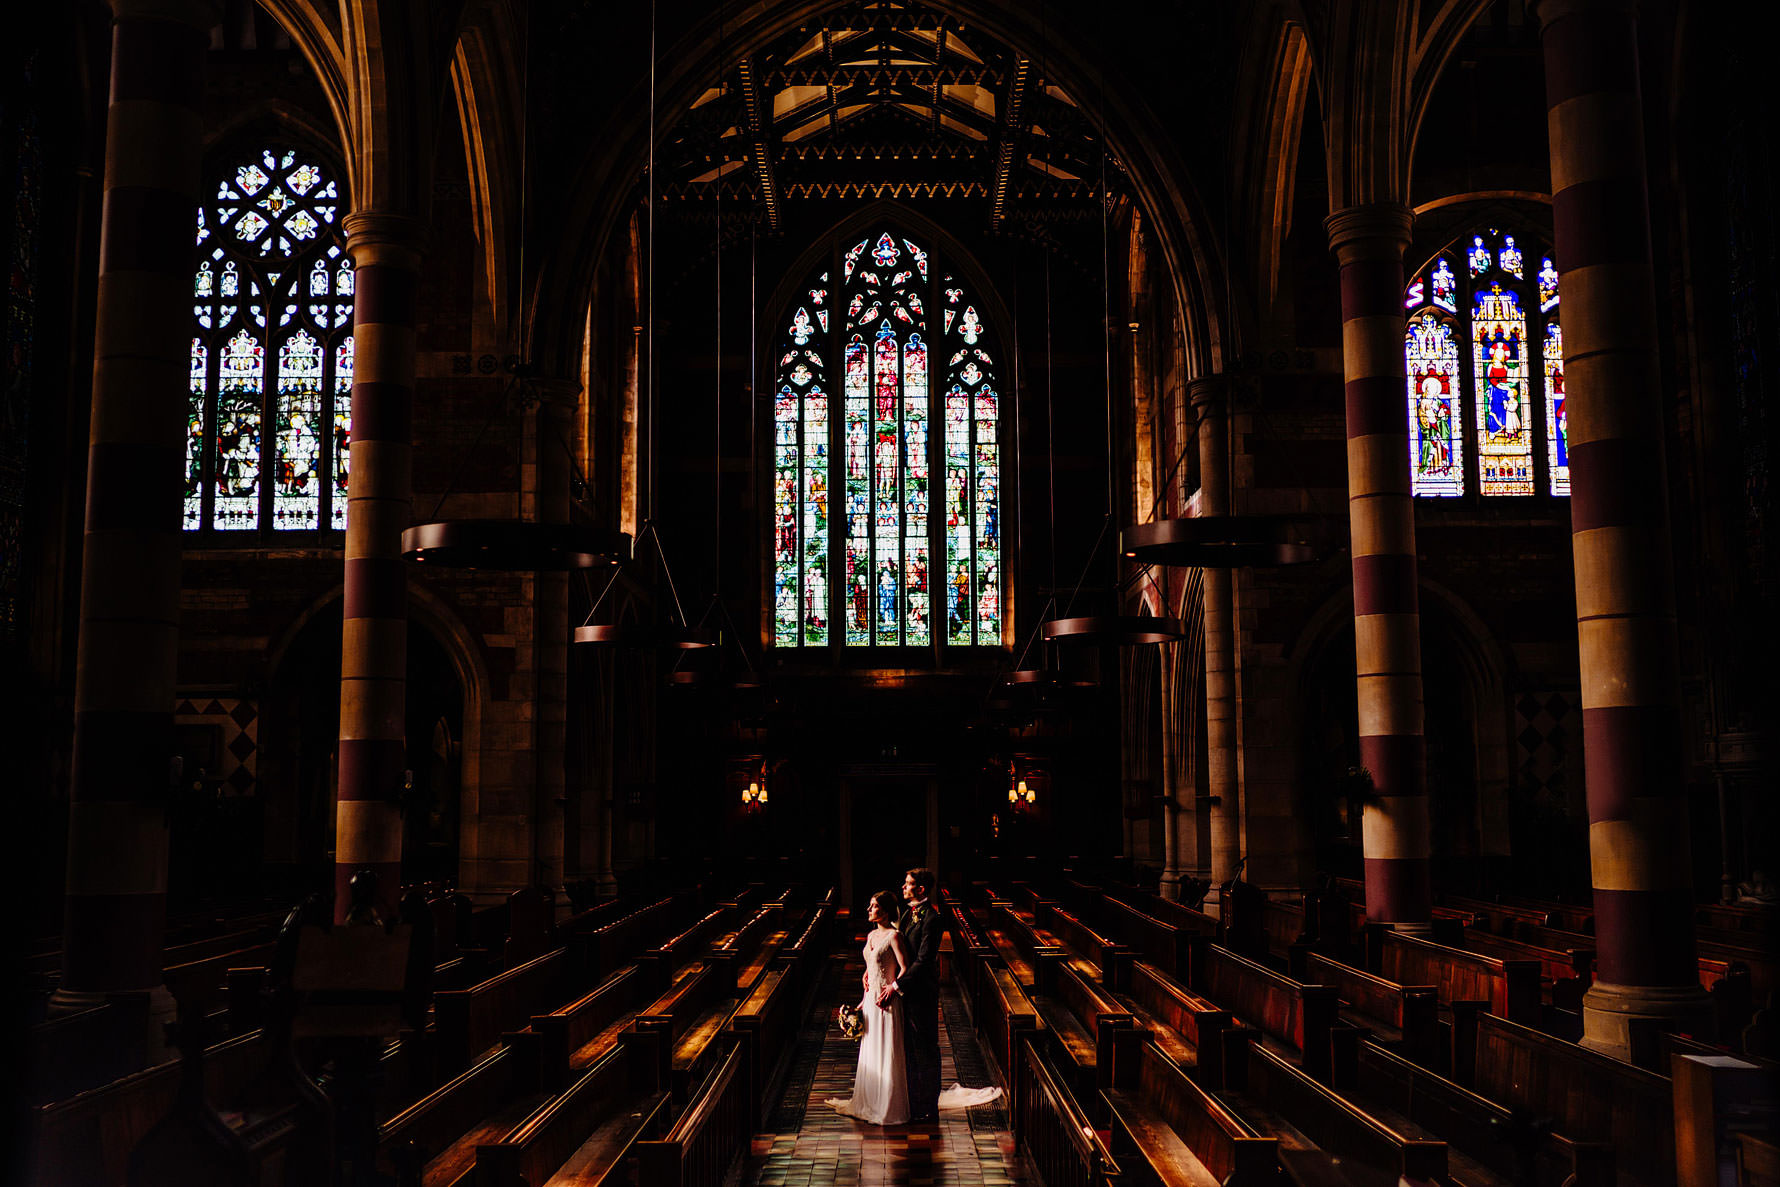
x=271, y=360
x=898, y=372
x=1508, y=313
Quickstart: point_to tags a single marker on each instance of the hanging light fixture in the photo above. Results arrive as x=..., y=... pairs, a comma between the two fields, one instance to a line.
x=514, y=545
x=1120, y=630
x=1220, y=542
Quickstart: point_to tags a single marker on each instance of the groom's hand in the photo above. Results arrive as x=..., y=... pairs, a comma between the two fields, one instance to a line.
x=885, y=994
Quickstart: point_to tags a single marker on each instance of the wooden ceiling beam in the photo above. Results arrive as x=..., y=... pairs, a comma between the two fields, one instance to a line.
x=757, y=136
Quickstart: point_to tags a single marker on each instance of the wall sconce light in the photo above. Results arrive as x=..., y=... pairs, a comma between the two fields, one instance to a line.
x=754, y=795
x=1026, y=793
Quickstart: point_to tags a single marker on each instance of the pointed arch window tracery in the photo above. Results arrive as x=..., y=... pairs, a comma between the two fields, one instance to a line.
x=270, y=393
x=1483, y=355
x=887, y=488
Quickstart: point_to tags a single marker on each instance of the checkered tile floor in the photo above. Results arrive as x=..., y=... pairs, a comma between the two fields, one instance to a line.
x=829, y=1150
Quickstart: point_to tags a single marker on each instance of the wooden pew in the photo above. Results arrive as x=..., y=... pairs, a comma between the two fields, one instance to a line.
x=1507, y=1144
x=575, y=1035
x=83, y=1050
x=1014, y=941
x=1510, y=986
x=1290, y=1012
x=1064, y=1147
x=667, y=958
x=1754, y=918
x=1589, y=1096
x=1109, y=957
x=1405, y=1016
x=766, y=1020
x=1187, y=1028
x=1577, y=917
x=1168, y=1126
x=749, y=948
x=85, y=1140
x=1314, y=1125
x=578, y=1136
x=970, y=953
x=1006, y=1017
x=1080, y=1019
x=1161, y=944
x=1500, y=918
x=433, y=1141
x=468, y=1022
x=803, y=956
x=710, y=1134
x=611, y=946
x=689, y=1016
x=1564, y=975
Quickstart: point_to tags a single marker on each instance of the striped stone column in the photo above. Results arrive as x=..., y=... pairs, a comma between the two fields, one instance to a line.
x=1368, y=242
x=1208, y=401
x=128, y=647
x=374, y=640
x=1625, y=598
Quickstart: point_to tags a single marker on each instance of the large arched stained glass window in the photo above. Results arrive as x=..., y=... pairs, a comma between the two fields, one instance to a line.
x=863, y=554
x=1510, y=366
x=270, y=410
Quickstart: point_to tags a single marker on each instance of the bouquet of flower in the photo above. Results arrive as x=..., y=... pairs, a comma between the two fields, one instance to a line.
x=852, y=1021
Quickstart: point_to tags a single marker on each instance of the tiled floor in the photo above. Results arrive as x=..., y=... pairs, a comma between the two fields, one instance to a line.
x=826, y=1149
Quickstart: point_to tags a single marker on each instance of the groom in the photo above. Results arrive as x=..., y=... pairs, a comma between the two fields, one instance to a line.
x=919, y=989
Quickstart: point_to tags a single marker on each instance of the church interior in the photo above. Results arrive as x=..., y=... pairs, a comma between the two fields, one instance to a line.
x=519, y=517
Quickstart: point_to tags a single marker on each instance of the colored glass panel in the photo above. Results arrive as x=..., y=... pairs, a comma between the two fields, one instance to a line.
x=1480, y=256
x=958, y=534
x=857, y=573
x=342, y=431
x=886, y=573
x=296, y=489
x=917, y=618
x=198, y=391
x=1510, y=257
x=986, y=508
x=1436, y=440
x=1557, y=427
x=1548, y=286
x=1504, y=420
x=239, y=390
x=1445, y=285
x=786, y=473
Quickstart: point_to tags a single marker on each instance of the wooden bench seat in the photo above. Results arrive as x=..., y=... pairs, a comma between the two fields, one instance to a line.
x=1511, y=987
x=1405, y=1017
x=710, y=1134
x=1589, y=1096
x=1158, y=942
x=1006, y=945
x=1064, y=1147
x=574, y=1035
x=1079, y=1016
x=1564, y=975
x=1298, y=1016
x=467, y=1022
x=1187, y=1027
x=1106, y=956
x=1181, y=1133
x=1278, y=1099
x=1007, y=1014
x=419, y=1141
x=687, y=1018
x=545, y=1139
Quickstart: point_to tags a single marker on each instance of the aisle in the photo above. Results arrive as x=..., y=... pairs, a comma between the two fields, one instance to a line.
x=813, y=1146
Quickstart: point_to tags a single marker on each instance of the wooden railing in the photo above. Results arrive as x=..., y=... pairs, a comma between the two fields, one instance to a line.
x=1059, y=1139
x=709, y=1136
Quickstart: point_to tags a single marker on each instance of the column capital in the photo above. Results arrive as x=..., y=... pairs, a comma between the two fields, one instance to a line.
x=202, y=15
x=556, y=397
x=1208, y=390
x=1549, y=12
x=1373, y=231
x=374, y=237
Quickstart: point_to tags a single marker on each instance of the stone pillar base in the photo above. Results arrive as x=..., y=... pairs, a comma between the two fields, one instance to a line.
x=1169, y=885
x=161, y=1011
x=1609, y=1013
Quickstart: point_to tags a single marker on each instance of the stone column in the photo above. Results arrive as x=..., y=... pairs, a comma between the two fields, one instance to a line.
x=128, y=657
x=1169, y=885
x=1368, y=242
x=1209, y=399
x=1619, y=520
x=550, y=591
x=374, y=641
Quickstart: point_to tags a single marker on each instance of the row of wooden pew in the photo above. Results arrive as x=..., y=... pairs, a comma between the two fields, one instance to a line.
x=574, y=1049
x=1203, y=1064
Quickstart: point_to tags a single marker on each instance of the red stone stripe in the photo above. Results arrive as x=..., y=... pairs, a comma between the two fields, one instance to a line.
x=147, y=229
x=134, y=487
x=1385, y=584
x=1616, y=482
x=158, y=60
x=1633, y=752
x=120, y=755
x=371, y=768
x=1377, y=406
x=1396, y=762
x=1601, y=222
x=376, y=587
x=385, y=294
x=1371, y=288
x=1589, y=52
x=1398, y=890
x=113, y=941
x=382, y=412
x=1645, y=937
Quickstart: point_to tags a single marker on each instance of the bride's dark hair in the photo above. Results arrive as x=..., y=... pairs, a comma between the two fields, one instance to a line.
x=885, y=902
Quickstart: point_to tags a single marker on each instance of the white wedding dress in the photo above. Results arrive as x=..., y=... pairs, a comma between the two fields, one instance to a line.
x=880, y=1082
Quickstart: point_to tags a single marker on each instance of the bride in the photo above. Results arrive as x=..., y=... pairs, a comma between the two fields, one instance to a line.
x=880, y=1082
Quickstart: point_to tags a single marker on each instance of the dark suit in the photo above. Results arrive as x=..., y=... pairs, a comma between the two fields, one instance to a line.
x=918, y=986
